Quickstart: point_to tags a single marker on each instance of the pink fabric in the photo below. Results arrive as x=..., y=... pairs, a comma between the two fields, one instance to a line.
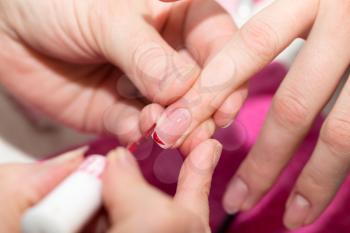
x=161, y=167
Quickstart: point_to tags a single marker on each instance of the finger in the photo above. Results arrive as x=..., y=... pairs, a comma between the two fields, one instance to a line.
x=45, y=176
x=170, y=219
x=122, y=120
x=40, y=179
x=302, y=95
x=124, y=189
x=199, y=135
x=208, y=27
x=110, y=107
x=147, y=121
x=226, y=113
x=157, y=70
x=253, y=47
x=326, y=170
x=127, y=197
x=195, y=178
x=119, y=116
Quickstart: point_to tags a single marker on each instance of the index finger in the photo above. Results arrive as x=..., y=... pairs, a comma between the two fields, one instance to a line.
x=251, y=48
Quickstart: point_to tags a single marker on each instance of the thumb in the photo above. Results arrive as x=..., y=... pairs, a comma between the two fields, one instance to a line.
x=128, y=197
x=195, y=178
x=124, y=189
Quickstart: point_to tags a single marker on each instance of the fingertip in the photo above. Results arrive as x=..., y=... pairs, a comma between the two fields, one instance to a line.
x=235, y=195
x=121, y=158
x=297, y=212
x=76, y=155
x=122, y=168
x=206, y=156
x=227, y=112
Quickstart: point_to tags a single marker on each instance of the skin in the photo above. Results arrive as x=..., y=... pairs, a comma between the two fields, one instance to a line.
x=187, y=212
x=95, y=65
x=40, y=179
x=306, y=89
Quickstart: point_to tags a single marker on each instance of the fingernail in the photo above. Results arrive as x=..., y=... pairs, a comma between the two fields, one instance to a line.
x=73, y=155
x=149, y=132
x=297, y=212
x=236, y=195
x=217, y=154
x=133, y=147
x=227, y=125
x=171, y=127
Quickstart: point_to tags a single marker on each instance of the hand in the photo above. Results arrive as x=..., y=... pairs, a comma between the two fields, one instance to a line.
x=135, y=206
x=67, y=58
x=127, y=196
x=306, y=89
x=23, y=185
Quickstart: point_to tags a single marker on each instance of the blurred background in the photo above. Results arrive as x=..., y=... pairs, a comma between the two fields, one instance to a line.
x=26, y=135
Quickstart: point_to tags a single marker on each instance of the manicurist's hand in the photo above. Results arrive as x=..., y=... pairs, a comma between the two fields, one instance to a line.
x=67, y=58
x=311, y=81
x=24, y=185
x=134, y=206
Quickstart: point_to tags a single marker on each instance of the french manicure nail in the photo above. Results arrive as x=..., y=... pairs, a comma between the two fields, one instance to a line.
x=132, y=147
x=171, y=127
x=149, y=132
x=235, y=196
x=297, y=212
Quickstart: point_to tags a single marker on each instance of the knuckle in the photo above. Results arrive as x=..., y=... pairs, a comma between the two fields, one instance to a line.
x=318, y=187
x=312, y=180
x=290, y=111
x=260, y=177
x=196, y=224
x=169, y=219
x=335, y=134
x=312, y=189
x=260, y=38
x=172, y=218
